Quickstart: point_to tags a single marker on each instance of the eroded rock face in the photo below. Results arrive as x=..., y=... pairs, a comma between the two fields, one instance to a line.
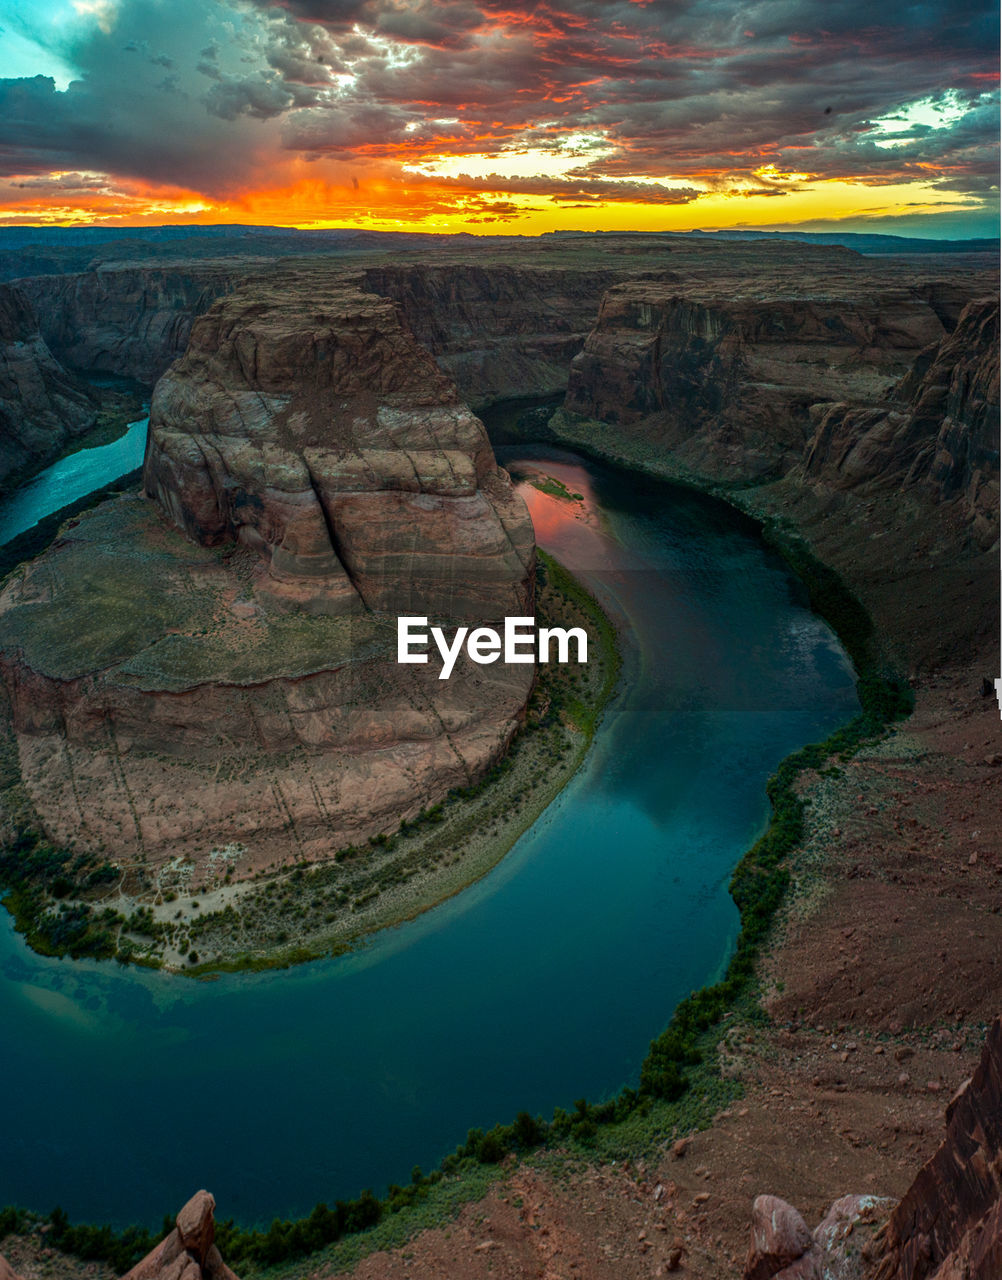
x=217, y=667
x=949, y=1223
x=42, y=406
x=129, y=320
x=725, y=377
x=498, y=331
x=316, y=431
x=938, y=429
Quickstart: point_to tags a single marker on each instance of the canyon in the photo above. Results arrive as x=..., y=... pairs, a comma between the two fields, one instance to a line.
x=311, y=414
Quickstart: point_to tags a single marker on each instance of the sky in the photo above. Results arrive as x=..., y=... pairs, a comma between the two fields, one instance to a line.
x=503, y=116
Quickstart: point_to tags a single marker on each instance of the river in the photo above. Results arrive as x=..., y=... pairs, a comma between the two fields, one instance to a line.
x=128, y=1089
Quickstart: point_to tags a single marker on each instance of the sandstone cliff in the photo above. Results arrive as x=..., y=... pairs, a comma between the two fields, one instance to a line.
x=948, y=1226
x=128, y=320
x=318, y=432
x=217, y=668
x=42, y=406
x=724, y=376
x=499, y=331
x=937, y=429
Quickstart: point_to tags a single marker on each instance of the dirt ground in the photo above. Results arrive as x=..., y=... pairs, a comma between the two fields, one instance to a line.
x=886, y=970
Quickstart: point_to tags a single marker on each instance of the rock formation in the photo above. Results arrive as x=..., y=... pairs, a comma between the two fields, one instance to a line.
x=784, y=1248
x=724, y=374
x=499, y=331
x=226, y=676
x=42, y=406
x=329, y=442
x=188, y=1252
x=948, y=1226
x=938, y=428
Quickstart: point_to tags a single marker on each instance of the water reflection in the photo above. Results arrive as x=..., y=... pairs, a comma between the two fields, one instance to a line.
x=542, y=983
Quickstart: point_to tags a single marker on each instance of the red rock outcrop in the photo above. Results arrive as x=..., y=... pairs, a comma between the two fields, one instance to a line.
x=948, y=1226
x=42, y=406
x=783, y=1247
x=188, y=1252
x=779, y=1236
x=7, y=1272
x=723, y=374
x=314, y=429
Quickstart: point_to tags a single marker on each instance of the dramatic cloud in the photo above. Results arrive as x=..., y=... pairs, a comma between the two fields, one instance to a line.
x=584, y=103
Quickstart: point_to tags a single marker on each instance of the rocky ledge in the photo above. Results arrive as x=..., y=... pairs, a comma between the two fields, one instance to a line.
x=207, y=681
x=947, y=1226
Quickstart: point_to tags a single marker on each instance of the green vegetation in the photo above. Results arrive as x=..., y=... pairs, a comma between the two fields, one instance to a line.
x=678, y=1086
x=555, y=488
x=314, y=911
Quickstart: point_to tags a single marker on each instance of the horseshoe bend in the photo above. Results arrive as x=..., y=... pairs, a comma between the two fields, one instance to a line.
x=212, y=757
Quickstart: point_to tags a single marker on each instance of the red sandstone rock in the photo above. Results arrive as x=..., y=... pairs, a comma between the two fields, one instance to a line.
x=128, y=320
x=723, y=372
x=173, y=700
x=498, y=331
x=779, y=1236
x=939, y=429
x=42, y=406
x=948, y=1223
x=188, y=1252
x=305, y=422
x=7, y=1272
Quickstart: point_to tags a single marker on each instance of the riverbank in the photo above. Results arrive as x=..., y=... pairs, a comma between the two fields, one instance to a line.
x=326, y=909
x=300, y=913
x=871, y=994
x=677, y=1090
x=118, y=403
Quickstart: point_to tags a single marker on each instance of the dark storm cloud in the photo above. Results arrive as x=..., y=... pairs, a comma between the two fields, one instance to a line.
x=575, y=188
x=680, y=90
x=693, y=88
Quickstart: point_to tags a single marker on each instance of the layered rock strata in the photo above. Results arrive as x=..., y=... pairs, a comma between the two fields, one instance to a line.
x=128, y=320
x=215, y=670
x=937, y=429
x=330, y=443
x=724, y=377
x=42, y=406
x=500, y=331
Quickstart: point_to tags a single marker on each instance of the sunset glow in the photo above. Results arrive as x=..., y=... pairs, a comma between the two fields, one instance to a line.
x=487, y=117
